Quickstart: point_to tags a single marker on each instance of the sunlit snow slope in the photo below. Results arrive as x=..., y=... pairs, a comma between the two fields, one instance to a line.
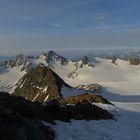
x=122, y=78
x=122, y=84
x=9, y=78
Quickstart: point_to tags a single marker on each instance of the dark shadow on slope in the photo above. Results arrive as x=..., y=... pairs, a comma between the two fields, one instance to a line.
x=53, y=110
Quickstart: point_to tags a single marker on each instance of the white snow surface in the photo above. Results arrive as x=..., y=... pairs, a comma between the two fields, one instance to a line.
x=45, y=89
x=121, y=82
x=122, y=78
x=126, y=126
x=9, y=77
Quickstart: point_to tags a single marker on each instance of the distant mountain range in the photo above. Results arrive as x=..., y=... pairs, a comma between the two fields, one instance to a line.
x=16, y=69
x=49, y=87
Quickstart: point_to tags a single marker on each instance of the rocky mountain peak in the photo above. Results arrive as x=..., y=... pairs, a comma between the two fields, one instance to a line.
x=51, y=57
x=85, y=60
x=88, y=60
x=40, y=84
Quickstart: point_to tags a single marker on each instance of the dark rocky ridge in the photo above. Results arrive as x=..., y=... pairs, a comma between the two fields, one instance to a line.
x=53, y=110
x=40, y=84
x=16, y=120
x=22, y=119
x=78, y=111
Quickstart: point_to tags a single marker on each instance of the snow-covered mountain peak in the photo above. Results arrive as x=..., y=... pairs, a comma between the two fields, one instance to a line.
x=20, y=61
x=50, y=58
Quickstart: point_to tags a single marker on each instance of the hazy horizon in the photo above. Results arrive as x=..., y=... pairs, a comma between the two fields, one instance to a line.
x=63, y=24
x=70, y=53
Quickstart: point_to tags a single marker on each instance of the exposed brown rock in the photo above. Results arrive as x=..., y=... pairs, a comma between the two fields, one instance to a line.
x=40, y=84
x=85, y=98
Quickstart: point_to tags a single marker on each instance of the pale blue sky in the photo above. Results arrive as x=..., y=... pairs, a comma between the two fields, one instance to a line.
x=69, y=24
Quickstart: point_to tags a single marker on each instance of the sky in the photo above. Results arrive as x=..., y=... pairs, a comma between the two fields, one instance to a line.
x=29, y=25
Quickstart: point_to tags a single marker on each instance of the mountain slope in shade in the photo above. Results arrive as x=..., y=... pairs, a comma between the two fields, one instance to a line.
x=40, y=84
x=22, y=119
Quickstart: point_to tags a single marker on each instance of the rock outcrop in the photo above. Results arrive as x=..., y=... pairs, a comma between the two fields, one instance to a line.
x=23, y=119
x=17, y=120
x=96, y=88
x=79, y=111
x=85, y=98
x=134, y=60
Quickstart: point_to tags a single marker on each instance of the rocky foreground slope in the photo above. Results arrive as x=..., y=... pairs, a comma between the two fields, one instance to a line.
x=23, y=119
x=17, y=120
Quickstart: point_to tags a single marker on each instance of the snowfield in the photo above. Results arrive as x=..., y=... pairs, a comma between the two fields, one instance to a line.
x=122, y=84
x=126, y=126
x=122, y=88
x=9, y=78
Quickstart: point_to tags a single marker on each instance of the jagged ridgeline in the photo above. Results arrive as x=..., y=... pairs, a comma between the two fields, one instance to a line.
x=17, y=61
x=51, y=57
x=40, y=84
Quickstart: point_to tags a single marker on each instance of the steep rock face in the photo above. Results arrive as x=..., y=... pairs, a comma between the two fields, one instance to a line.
x=40, y=84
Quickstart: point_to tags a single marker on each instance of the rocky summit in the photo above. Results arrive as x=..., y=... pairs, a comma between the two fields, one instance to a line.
x=40, y=84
